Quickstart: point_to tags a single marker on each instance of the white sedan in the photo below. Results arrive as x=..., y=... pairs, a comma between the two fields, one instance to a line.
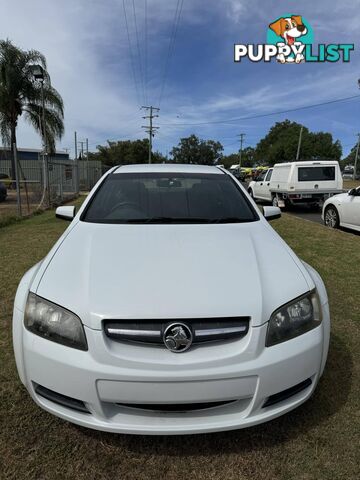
x=343, y=210
x=170, y=306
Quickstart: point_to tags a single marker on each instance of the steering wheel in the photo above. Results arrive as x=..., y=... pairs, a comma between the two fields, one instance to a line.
x=128, y=204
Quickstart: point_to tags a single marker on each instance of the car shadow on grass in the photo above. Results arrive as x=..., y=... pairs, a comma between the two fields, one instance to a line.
x=330, y=396
x=349, y=230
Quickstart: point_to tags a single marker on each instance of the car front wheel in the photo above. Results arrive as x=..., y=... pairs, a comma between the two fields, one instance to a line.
x=331, y=218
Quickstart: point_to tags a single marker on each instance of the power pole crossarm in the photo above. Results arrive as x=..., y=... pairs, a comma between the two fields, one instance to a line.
x=150, y=129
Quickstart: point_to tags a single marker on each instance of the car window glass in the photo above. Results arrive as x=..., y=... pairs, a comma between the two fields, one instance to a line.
x=314, y=174
x=268, y=176
x=144, y=197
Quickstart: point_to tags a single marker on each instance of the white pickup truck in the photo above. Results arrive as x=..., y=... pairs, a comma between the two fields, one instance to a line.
x=307, y=182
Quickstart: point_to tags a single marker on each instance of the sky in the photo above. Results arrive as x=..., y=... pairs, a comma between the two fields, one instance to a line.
x=104, y=79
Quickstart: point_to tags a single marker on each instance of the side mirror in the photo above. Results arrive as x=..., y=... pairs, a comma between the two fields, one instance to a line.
x=354, y=192
x=271, y=213
x=66, y=212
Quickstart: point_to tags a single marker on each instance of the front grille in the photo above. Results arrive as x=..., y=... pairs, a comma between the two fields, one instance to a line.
x=203, y=329
x=175, y=407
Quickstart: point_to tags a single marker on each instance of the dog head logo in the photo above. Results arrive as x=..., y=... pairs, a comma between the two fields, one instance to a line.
x=290, y=28
x=294, y=32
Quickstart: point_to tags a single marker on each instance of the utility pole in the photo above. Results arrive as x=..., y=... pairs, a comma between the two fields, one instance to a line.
x=87, y=162
x=356, y=156
x=82, y=149
x=76, y=144
x=299, y=144
x=17, y=179
x=242, y=135
x=150, y=129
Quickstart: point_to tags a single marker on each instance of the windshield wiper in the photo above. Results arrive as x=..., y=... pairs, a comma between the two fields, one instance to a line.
x=229, y=220
x=175, y=220
x=168, y=220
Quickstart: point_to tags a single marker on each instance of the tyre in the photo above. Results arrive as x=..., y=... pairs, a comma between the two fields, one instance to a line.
x=331, y=217
x=314, y=207
x=275, y=201
x=251, y=193
x=3, y=192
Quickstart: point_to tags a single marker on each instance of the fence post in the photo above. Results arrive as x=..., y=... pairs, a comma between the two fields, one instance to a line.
x=18, y=196
x=61, y=181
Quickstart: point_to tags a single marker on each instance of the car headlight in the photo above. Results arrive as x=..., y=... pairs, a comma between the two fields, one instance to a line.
x=54, y=323
x=294, y=319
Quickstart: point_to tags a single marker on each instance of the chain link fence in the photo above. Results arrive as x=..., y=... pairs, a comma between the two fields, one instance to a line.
x=44, y=182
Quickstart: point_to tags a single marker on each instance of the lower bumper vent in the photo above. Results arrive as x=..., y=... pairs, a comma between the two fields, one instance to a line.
x=60, y=399
x=289, y=392
x=174, y=407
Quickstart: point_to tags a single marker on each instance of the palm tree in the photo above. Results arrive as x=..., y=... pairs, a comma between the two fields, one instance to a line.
x=21, y=94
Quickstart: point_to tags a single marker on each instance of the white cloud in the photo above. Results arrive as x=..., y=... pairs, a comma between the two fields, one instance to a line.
x=85, y=43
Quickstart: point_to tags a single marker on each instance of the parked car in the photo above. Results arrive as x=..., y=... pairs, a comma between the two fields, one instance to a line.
x=348, y=172
x=3, y=192
x=137, y=322
x=343, y=210
x=240, y=174
x=309, y=183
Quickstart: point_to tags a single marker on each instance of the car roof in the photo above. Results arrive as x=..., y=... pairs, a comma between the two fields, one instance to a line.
x=307, y=163
x=167, y=168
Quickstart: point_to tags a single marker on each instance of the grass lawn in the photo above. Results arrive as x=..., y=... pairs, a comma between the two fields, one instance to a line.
x=351, y=184
x=320, y=440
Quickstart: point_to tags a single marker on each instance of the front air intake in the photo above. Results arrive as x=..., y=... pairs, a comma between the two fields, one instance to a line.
x=174, y=407
x=289, y=392
x=60, y=399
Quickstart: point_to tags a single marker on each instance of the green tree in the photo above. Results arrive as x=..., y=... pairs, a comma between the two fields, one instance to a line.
x=247, y=158
x=124, y=152
x=20, y=94
x=195, y=150
x=228, y=160
x=350, y=159
x=281, y=143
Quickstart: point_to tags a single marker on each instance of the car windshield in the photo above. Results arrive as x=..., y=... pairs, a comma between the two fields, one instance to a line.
x=169, y=198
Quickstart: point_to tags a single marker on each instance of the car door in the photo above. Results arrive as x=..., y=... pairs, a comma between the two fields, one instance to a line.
x=351, y=209
x=259, y=186
x=266, y=186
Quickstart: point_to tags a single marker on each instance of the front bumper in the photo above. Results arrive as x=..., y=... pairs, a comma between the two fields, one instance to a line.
x=105, y=380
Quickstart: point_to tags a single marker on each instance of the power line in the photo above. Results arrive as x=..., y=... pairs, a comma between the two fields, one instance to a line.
x=178, y=10
x=231, y=144
x=262, y=115
x=139, y=52
x=132, y=61
x=120, y=137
